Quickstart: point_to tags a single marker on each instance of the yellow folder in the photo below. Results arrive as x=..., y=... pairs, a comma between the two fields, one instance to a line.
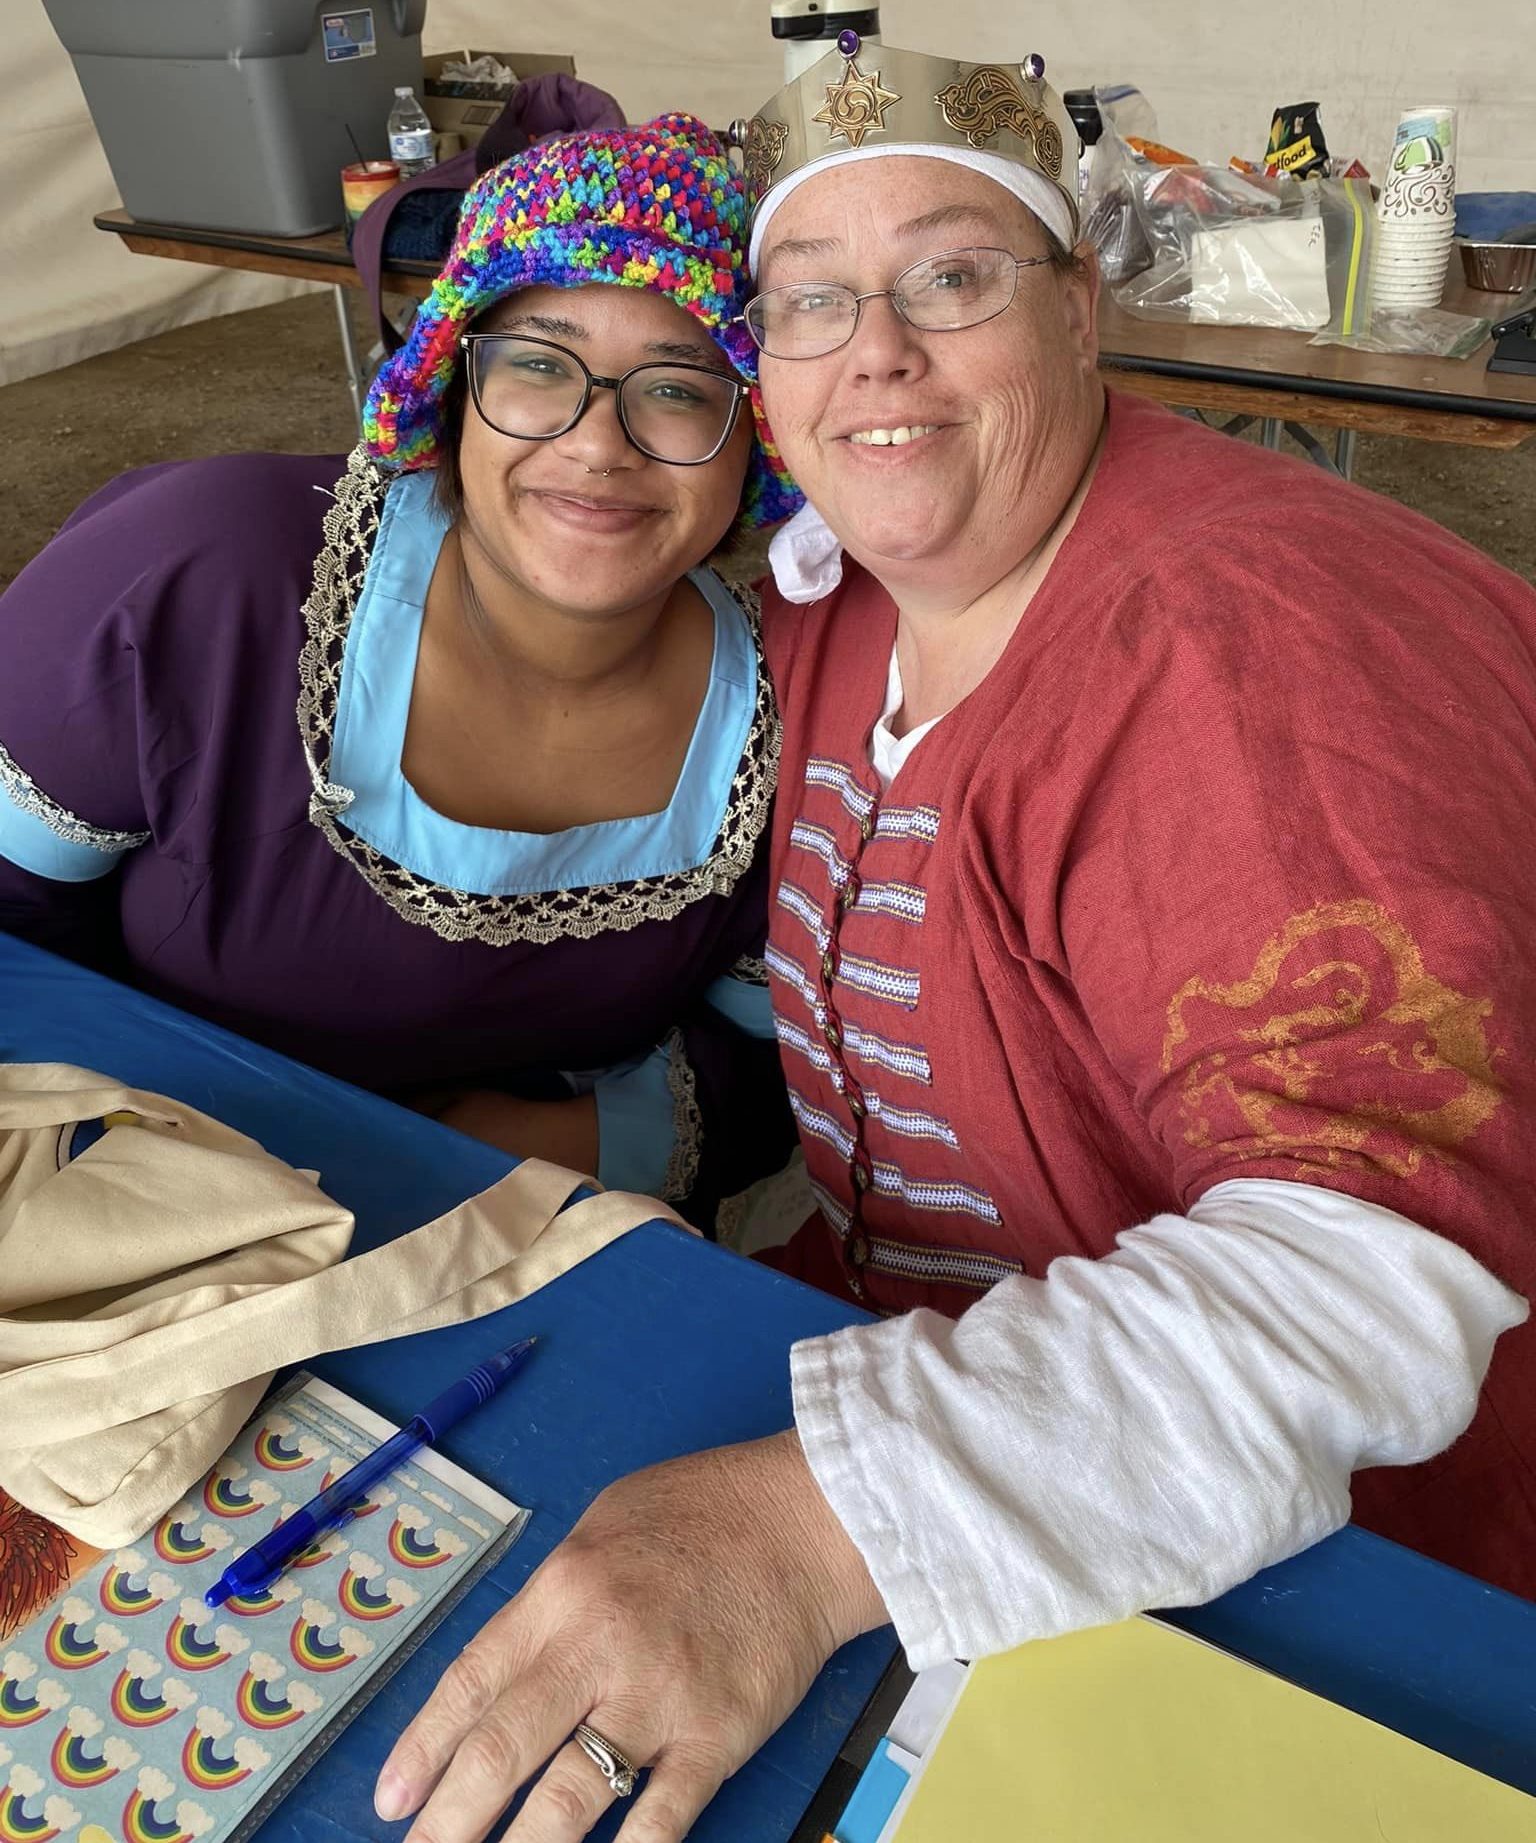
x=1137, y=1733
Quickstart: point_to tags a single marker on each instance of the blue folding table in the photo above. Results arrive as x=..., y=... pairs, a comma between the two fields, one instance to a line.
x=662, y=1345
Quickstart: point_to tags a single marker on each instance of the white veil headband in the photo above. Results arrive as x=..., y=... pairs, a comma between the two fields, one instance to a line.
x=805, y=555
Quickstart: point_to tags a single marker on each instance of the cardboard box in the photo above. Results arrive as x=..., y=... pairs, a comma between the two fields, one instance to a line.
x=470, y=116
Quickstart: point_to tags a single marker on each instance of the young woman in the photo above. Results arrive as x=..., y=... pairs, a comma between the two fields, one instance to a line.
x=450, y=775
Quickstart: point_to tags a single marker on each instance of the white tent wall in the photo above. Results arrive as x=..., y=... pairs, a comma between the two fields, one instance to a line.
x=68, y=290
x=1213, y=75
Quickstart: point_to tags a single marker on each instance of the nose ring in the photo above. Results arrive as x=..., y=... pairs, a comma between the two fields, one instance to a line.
x=604, y=473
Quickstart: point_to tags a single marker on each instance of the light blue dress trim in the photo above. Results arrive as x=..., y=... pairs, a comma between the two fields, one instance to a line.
x=28, y=843
x=373, y=704
x=636, y=1125
x=748, y=1006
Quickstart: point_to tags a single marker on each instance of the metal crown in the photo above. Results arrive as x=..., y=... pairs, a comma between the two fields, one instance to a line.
x=856, y=97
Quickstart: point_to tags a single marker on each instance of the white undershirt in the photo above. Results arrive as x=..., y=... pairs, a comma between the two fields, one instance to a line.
x=1150, y=1428
x=887, y=752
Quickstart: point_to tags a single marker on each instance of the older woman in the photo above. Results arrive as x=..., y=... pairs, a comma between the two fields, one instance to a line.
x=511, y=854
x=1156, y=846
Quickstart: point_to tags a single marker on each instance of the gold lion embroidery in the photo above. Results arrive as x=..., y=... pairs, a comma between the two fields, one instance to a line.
x=1352, y=1055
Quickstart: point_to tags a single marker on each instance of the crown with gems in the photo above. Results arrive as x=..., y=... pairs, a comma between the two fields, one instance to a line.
x=854, y=98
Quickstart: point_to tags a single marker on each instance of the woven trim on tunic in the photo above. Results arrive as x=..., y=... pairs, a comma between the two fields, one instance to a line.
x=682, y=1171
x=27, y=797
x=350, y=529
x=750, y=969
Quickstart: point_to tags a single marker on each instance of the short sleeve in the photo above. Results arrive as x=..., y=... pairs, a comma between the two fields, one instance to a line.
x=71, y=804
x=1297, y=901
x=131, y=640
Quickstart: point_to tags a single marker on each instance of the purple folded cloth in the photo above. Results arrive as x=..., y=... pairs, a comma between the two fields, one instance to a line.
x=554, y=103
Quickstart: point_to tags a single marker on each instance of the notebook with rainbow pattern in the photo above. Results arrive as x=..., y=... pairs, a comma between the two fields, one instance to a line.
x=131, y=1713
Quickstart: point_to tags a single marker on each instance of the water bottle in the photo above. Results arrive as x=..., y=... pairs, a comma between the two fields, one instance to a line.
x=410, y=134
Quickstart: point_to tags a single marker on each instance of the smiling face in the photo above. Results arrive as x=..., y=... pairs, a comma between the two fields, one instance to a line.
x=941, y=456
x=585, y=521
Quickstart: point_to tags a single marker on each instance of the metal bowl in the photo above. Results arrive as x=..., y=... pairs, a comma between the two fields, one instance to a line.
x=1499, y=268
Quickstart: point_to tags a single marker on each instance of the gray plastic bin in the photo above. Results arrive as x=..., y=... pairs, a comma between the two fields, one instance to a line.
x=233, y=114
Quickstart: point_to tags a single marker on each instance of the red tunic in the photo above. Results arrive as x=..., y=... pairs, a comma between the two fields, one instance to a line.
x=1227, y=869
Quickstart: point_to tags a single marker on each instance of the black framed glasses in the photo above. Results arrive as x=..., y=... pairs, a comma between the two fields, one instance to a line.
x=534, y=390
x=940, y=294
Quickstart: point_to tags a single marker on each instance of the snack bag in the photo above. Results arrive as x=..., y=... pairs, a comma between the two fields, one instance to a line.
x=1296, y=144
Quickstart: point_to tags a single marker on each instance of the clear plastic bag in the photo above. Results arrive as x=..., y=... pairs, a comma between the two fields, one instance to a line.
x=1420, y=332
x=1109, y=220
x=1207, y=243
x=1241, y=249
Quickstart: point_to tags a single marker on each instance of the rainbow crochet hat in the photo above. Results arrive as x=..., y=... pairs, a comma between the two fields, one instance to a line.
x=657, y=206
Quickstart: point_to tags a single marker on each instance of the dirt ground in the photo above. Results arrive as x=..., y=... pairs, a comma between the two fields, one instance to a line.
x=272, y=379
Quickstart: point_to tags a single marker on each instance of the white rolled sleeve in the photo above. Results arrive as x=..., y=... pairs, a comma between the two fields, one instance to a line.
x=1150, y=1428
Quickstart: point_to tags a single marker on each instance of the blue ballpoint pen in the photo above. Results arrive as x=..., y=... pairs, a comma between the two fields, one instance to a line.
x=261, y=1564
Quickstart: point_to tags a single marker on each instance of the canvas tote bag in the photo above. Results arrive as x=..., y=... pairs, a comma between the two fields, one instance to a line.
x=151, y=1285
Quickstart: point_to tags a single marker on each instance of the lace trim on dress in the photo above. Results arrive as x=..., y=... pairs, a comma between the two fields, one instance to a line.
x=682, y=1171
x=27, y=797
x=350, y=528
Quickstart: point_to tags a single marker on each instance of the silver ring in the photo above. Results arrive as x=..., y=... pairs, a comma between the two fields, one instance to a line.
x=620, y=1772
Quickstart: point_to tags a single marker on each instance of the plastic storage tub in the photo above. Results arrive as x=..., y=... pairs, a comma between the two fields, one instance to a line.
x=233, y=114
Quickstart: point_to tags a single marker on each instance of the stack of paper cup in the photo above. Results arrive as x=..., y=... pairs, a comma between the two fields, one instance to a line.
x=1416, y=214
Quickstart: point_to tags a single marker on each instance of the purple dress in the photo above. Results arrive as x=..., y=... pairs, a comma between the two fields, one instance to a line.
x=204, y=682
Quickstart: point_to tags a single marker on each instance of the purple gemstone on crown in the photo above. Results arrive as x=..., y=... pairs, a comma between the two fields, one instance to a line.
x=848, y=43
x=1034, y=67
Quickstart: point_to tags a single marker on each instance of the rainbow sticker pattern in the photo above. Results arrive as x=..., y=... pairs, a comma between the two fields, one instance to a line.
x=318, y=1553
x=282, y=1592
x=27, y=1815
x=208, y=1764
x=363, y=1596
x=21, y=1701
x=263, y=1702
x=119, y=1592
x=316, y=1647
x=153, y=1813
x=280, y=1447
x=76, y=1639
x=377, y=1501
x=188, y=1648
x=130, y=1712
x=225, y=1496
x=80, y=1758
x=414, y=1546
x=137, y=1703
x=176, y=1542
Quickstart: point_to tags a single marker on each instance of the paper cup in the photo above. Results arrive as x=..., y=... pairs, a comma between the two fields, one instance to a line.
x=1421, y=249
x=1422, y=194
x=1410, y=297
x=1425, y=136
x=1407, y=235
x=1405, y=268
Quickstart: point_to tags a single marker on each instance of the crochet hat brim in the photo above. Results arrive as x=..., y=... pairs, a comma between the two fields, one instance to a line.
x=403, y=418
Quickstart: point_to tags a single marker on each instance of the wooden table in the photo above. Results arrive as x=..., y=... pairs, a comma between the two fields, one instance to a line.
x=1278, y=378
x=1236, y=372
x=325, y=258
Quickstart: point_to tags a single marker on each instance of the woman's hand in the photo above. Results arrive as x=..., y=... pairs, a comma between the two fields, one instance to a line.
x=684, y=1618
